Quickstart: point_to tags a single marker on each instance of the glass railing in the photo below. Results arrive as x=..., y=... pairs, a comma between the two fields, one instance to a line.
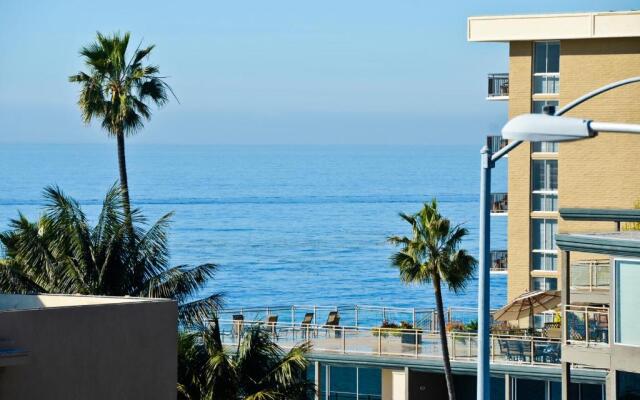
x=586, y=325
x=499, y=203
x=400, y=342
x=590, y=275
x=498, y=86
x=496, y=143
x=498, y=261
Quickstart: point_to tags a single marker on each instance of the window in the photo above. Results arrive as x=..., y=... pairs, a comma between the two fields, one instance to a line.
x=544, y=255
x=540, y=319
x=538, y=108
x=546, y=68
x=539, y=283
x=544, y=185
x=627, y=302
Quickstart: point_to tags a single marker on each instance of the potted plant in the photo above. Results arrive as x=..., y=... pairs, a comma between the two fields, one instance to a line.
x=409, y=334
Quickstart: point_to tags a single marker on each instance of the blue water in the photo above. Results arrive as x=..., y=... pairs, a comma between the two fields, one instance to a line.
x=287, y=224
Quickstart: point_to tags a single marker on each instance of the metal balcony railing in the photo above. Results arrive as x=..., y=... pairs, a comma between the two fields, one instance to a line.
x=400, y=342
x=590, y=275
x=498, y=261
x=498, y=86
x=499, y=203
x=587, y=325
x=496, y=143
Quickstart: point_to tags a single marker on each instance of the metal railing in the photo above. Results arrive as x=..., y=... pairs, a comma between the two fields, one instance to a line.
x=586, y=325
x=498, y=261
x=398, y=342
x=590, y=275
x=498, y=85
x=354, y=315
x=496, y=143
x=499, y=203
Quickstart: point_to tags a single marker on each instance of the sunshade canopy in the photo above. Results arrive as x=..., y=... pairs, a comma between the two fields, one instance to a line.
x=528, y=304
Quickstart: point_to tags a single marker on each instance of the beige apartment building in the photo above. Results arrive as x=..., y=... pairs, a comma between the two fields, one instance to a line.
x=554, y=59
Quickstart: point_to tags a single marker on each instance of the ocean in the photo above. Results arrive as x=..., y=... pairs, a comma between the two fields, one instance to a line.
x=286, y=224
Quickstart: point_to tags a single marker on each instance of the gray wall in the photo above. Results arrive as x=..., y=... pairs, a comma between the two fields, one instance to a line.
x=110, y=351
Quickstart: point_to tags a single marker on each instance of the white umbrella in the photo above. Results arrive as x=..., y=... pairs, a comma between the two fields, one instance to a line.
x=528, y=304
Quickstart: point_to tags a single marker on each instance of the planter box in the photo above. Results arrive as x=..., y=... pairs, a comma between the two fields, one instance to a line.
x=411, y=338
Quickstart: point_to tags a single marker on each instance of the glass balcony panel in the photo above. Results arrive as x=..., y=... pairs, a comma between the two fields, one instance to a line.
x=546, y=84
x=498, y=85
x=587, y=325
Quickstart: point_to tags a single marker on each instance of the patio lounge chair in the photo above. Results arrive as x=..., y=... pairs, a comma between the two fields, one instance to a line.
x=271, y=322
x=238, y=325
x=306, y=326
x=333, y=323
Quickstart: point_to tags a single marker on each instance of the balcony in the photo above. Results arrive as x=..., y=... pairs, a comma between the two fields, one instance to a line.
x=587, y=326
x=499, y=204
x=590, y=280
x=498, y=86
x=498, y=262
x=495, y=143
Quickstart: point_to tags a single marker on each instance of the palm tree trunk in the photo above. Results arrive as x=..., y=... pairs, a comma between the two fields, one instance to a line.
x=124, y=184
x=443, y=338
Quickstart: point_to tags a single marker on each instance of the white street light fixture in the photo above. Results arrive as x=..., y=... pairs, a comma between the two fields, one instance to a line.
x=550, y=128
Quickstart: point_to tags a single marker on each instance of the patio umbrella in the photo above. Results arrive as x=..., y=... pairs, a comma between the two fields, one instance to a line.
x=528, y=304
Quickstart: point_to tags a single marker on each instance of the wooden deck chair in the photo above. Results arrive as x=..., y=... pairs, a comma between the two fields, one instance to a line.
x=271, y=322
x=333, y=323
x=238, y=324
x=306, y=326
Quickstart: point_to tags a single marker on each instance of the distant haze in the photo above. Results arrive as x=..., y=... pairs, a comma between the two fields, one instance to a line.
x=269, y=72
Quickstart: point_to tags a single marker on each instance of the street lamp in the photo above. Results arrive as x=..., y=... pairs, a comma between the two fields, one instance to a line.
x=532, y=128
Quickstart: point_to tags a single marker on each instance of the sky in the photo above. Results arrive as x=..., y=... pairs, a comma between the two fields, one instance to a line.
x=269, y=72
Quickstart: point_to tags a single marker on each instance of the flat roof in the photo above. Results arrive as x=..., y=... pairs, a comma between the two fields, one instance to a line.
x=622, y=243
x=587, y=25
x=17, y=302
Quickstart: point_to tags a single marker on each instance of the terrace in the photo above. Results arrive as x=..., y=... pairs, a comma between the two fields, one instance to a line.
x=368, y=330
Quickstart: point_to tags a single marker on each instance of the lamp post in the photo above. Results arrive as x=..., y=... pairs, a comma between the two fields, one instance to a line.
x=533, y=128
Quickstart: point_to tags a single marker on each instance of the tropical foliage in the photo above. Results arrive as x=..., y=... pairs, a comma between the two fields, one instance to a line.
x=118, y=89
x=256, y=368
x=432, y=255
x=62, y=253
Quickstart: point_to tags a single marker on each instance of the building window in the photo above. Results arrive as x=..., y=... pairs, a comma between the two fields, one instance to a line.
x=546, y=68
x=544, y=190
x=540, y=283
x=544, y=255
x=627, y=302
x=538, y=108
x=627, y=385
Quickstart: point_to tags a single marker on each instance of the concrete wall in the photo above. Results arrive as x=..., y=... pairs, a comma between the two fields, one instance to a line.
x=601, y=172
x=125, y=350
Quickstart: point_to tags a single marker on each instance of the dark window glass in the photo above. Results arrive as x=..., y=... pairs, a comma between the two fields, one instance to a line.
x=343, y=379
x=369, y=381
x=553, y=57
x=628, y=385
x=527, y=389
x=540, y=57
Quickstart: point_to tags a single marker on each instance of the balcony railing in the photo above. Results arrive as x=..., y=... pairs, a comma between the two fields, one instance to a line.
x=587, y=325
x=396, y=342
x=590, y=275
x=498, y=261
x=496, y=143
x=498, y=86
x=499, y=203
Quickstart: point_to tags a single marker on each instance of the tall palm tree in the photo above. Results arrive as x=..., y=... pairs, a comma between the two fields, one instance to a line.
x=432, y=255
x=256, y=369
x=118, y=89
x=62, y=253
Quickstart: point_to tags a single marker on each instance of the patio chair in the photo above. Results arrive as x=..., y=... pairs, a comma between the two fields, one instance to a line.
x=271, y=322
x=517, y=351
x=306, y=326
x=238, y=325
x=333, y=323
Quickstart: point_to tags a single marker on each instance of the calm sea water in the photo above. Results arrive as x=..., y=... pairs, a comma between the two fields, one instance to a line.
x=287, y=224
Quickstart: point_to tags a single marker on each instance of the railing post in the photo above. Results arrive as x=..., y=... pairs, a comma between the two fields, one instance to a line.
x=532, y=350
x=453, y=345
x=384, y=314
x=586, y=325
x=379, y=341
x=356, y=311
x=469, y=338
x=414, y=317
x=416, y=341
x=492, y=347
x=344, y=341
x=293, y=314
x=315, y=314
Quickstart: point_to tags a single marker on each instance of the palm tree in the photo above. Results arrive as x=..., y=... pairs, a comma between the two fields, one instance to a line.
x=432, y=255
x=118, y=89
x=256, y=369
x=62, y=253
